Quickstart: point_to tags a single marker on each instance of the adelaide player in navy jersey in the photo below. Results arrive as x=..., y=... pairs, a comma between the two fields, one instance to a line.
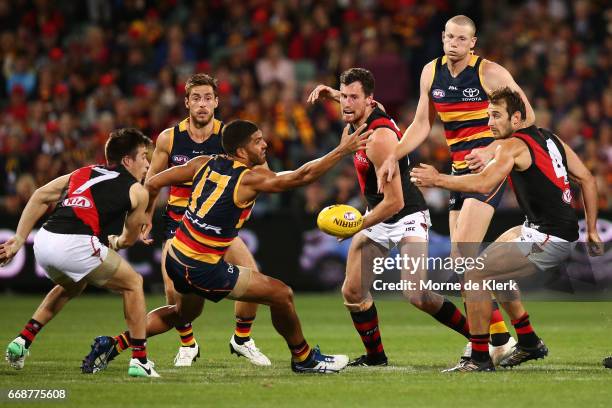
x=198, y=134
x=225, y=188
x=70, y=247
x=540, y=166
x=396, y=217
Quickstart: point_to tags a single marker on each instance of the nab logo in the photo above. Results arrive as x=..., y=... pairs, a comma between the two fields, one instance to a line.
x=471, y=92
x=180, y=159
x=452, y=88
x=439, y=93
x=78, y=201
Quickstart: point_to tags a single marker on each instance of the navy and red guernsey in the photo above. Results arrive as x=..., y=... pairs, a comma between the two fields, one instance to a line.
x=543, y=190
x=366, y=172
x=96, y=197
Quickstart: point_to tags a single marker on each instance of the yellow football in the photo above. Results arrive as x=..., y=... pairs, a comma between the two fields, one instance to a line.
x=340, y=220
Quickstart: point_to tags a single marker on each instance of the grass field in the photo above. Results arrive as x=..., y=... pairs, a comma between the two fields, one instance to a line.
x=577, y=334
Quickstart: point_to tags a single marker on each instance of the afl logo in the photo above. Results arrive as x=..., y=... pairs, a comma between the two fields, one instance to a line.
x=77, y=201
x=180, y=159
x=438, y=93
x=349, y=216
x=471, y=92
x=567, y=196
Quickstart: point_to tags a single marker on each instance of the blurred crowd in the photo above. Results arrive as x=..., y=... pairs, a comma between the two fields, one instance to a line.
x=74, y=70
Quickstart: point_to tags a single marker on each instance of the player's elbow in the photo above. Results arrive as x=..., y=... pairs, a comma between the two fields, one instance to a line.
x=586, y=179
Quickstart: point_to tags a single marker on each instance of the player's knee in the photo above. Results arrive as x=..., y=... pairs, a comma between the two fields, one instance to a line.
x=351, y=295
x=417, y=299
x=285, y=295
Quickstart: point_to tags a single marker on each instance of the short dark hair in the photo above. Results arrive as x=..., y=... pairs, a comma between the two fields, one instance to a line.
x=514, y=102
x=359, y=74
x=199, y=80
x=124, y=142
x=237, y=134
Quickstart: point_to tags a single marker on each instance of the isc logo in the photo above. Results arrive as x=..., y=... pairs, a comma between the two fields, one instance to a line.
x=77, y=201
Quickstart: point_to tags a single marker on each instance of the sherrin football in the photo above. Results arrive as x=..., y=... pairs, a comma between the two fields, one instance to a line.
x=340, y=220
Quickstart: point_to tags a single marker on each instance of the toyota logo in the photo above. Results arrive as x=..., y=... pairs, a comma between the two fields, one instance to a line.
x=471, y=92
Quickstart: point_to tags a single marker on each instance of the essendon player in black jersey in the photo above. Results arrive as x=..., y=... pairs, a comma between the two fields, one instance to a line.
x=398, y=216
x=199, y=134
x=69, y=246
x=540, y=166
x=225, y=190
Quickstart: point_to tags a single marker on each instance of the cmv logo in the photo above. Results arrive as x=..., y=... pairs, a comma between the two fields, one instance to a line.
x=180, y=159
x=471, y=92
x=77, y=201
x=439, y=93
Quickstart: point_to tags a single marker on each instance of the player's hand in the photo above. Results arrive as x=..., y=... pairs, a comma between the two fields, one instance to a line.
x=350, y=143
x=9, y=248
x=323, y=92
x=113, y=242
x=144, y=233
x=478, y=158
x=595, y=245
x=385, y=173
x=424, y=175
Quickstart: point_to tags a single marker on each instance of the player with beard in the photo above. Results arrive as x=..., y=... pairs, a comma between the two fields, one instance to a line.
x=540, y=165
x=397, y=217
x=198, y=134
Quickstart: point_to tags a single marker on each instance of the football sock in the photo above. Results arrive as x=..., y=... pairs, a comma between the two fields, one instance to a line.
x=122, y=342
x=480, y=347
x=139, y=349
x=366, y=323
x=497, y=327
x=524, y=331
x=449, y=315
x=300, y=352
x=242, y=333
x=186, y=333
x=30, y=331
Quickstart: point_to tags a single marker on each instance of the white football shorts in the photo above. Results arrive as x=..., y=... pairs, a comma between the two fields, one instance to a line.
x=389, y=235
x=70, y=255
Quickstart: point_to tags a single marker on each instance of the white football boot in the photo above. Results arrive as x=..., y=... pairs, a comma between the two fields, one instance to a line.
x=250, y=351
x=137, y=369
x=16, y=353
x=187, y=356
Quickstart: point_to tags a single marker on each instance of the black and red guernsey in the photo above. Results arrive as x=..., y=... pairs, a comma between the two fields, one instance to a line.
x=366, y=172
x=96, y=197
x=543, y=190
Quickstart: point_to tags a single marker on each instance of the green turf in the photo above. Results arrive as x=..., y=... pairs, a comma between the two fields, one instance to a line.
x=578, y=336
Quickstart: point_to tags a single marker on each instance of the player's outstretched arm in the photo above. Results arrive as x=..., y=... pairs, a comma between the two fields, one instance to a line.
x=416, y=133
x=36, y=207
x=483, y=182
x=135, y=219
x=495, y=76
x=261, y=180
x=382, y=145
x=579, y=173
x=173, y=176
